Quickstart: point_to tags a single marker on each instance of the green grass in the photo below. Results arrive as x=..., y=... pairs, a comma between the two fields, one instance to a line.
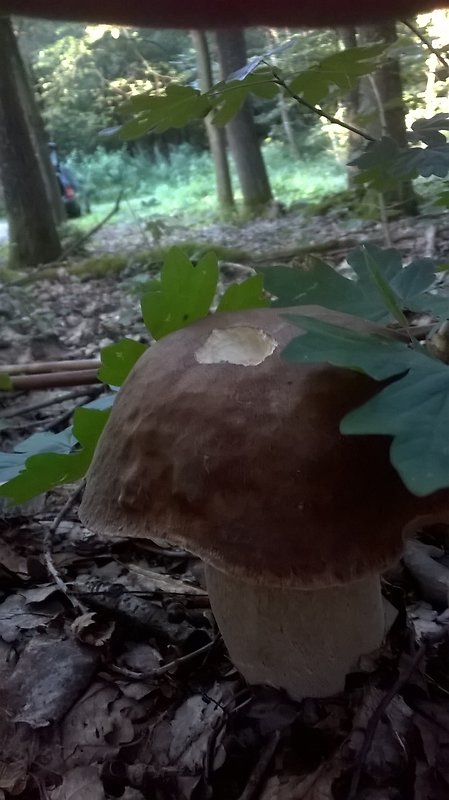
x=182, y=192
x=184, y=189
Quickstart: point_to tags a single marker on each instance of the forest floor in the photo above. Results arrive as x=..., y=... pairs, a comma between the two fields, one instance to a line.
x=115, y=683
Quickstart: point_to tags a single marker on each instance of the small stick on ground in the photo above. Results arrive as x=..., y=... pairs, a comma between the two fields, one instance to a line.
x=158, y=671
x=255, y=779
x=377, y=716
x=47, y=548
x=83, y=239
x=53, y=401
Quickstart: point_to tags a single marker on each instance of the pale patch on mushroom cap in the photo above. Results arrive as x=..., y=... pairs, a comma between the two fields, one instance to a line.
x=239, y=345
x=245, y=465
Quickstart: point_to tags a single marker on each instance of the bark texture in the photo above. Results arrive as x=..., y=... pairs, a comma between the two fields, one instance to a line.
x=216, y=136
x=33, y=235
x=241, y=130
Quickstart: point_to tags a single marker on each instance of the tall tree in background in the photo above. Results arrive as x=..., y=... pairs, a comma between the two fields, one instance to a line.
x=216, y=136
x=33, y=236
x=241, y=130
x=381, y=104
x=39, y=137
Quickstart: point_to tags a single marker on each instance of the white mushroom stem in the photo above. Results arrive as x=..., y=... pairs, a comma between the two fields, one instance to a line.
x=304, y=641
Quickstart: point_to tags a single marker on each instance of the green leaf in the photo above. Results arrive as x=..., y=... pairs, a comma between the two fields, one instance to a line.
x=342, y=69
x=157, y=113
x=5, y=382
x=318, y=285
x=381, y=357
x=373, y=268
x=428, y=130
x=186, y=293
x=228, y=96
x=383, y=288
x=424, y=161
x=118, y=360
x=377, y=163
x=247, y=294
x=413, y=409
x=44, y=471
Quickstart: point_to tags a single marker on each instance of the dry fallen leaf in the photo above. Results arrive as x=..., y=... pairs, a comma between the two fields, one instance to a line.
x=97, y=726
x=48, y=677
x=80, y=783
x=26, y=610
x=91, y=629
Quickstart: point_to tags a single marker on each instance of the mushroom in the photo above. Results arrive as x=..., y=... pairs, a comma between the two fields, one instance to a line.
x=217, y=444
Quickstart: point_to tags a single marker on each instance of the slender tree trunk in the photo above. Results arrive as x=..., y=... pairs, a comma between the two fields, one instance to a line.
x=215, y=135
x=380, y=99
x=273, y=40
x=33, y=237
x=348, y=38
x=40, y=140
x=241, y=131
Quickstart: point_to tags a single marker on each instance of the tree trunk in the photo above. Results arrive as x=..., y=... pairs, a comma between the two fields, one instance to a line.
x=351, y=101
x=215, y=135
x=380, y=99
x=40, y=139
x=241, y=131
x=33, y=237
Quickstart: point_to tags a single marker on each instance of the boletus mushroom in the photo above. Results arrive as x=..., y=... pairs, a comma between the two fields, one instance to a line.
x=217, y=444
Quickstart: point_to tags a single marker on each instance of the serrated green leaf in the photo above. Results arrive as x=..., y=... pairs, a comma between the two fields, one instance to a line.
x=5, y=382
x=186, y=293
x=46, y=470
x=373, y=263
x=247, y=294
x=342, y=69
x=364, y=297
x=118, y=360
x=157, y=113
x=414, y=279
x=428, y=130
x=424, y=161
x=311, y=85
x=415, y=411
x=229, y=100
x=381, y=357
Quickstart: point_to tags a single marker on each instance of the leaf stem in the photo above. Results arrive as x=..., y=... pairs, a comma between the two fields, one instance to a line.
x=319, y=111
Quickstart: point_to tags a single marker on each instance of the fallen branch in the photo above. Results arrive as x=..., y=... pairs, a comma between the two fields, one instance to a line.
x=54, y=380
x=132, y=675
x=83, y=239
x=53, y=401
x=47, y=549
x=38, y=367
x=258, y=773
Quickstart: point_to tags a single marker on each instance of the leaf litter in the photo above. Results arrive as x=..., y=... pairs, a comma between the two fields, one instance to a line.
x=136, y=697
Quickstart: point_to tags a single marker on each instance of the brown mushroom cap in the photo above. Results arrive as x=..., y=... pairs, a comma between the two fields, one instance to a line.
x=244, y=464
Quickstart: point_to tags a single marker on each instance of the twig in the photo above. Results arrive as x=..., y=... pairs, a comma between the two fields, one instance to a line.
x=54, y=401
x=55, y=380
x=423, y=38
x=258, y=773
x=371, y=728
x=430, y=241
x=155, y=673
x=319, y=111
x=83, y=239
x=47, y=548
x=42, y=367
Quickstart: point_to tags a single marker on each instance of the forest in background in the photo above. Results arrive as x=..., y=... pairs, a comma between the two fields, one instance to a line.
x=84, y=75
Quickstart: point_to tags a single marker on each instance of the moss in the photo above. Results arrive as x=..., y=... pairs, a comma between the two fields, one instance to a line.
x=194, y=250
x=99, y=266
